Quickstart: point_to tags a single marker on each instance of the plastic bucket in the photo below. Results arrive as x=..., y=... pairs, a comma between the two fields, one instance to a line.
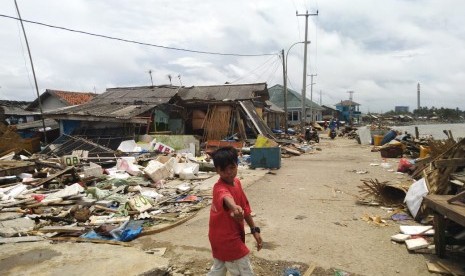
x=424, y=151
x=377, y=140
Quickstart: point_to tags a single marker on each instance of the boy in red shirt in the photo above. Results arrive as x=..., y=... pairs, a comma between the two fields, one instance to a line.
x=229, y=209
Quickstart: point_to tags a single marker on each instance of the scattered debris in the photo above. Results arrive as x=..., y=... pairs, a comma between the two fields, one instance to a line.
x=383, y=192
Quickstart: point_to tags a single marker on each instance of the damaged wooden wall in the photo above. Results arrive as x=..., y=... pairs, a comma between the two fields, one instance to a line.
x=10, y=139
x=217, y=122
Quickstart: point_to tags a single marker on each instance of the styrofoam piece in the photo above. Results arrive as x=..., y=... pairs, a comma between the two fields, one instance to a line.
x=93, y=170
x=418, y=243
x=152, y=193
x=117, y=174
x=71, y=190
x=186, y=174
x=400, y=237
x=139, y=203
x=158, y=171
x=179, y=167
x=127, y=146
x=12, y=192
x=127, y=164
x=417, y=229
x=184, y=187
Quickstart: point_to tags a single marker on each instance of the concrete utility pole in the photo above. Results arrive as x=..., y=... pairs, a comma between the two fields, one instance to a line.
x=418, y=96
x=151, y=79
x=285, y=83
x=285, y=90
x=311, y=96
x=33, y=73
x=350, y=106
x=304, y=85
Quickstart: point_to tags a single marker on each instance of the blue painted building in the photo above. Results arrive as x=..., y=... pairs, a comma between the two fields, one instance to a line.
x=349, y=111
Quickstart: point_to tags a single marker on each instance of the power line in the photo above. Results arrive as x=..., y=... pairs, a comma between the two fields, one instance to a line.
x=252, y=71
x=24, y=58
x=137, y=42
x=275, y=63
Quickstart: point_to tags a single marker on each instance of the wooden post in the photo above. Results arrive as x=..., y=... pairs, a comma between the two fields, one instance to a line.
x=439, y=234
x=417, y=134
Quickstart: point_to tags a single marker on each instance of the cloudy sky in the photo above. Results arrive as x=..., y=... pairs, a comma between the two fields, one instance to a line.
x=378, y=49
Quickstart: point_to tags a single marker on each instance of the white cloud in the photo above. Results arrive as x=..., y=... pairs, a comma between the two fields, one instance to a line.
x=378, y=49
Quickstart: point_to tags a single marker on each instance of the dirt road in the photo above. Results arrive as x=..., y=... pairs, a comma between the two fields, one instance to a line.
x=307, y=212
x=308, y=215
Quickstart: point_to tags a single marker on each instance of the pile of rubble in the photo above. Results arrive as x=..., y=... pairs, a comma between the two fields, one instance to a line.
x=80, y=190
x=437, y=188
x=119, y=197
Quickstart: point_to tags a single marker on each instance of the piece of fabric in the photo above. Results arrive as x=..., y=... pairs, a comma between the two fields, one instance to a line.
x=240, y=267
x=227, y=236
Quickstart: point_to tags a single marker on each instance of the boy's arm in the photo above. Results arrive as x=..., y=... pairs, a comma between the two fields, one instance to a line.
x=256, y=234
x=236, y=211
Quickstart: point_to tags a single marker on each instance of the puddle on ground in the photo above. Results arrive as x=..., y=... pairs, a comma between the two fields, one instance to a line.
x=269, y=245
x=29, y=258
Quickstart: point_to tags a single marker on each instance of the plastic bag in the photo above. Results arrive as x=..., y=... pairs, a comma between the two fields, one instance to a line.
x=404, y=165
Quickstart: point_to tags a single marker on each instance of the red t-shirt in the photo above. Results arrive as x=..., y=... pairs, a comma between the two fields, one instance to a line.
x=227, y=236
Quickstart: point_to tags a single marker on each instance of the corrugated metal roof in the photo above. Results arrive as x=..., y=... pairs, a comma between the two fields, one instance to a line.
x=224, y=92
x=122, y=103
x=274, y=107
x=14, y=110
x=347, y=103
x=113, y=110
x=143, y=94
x=294, y=99
x=38, y=124
x=259, y=124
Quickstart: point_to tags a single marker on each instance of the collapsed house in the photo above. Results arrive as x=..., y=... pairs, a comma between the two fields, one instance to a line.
x=208, y=112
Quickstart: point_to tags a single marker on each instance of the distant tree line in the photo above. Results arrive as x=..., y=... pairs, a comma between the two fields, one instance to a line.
x=443, y=114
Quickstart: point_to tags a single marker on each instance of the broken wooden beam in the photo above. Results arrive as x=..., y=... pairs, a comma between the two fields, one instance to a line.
x=61, y=229
x=452, y=162
x=21, y=239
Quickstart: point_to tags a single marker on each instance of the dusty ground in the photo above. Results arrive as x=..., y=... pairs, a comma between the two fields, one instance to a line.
x=309, y=216
x=307, y=213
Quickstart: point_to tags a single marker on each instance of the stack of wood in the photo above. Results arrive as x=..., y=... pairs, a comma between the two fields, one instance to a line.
x=446, y=158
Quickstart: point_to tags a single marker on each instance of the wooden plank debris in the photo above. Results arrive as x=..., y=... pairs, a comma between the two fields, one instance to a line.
x=62, y=229
x=435, y=268
x=310, y=269
x=458, y=197
x=75, y=239
x=20, y=239
x=53, y=176
x=291, y=150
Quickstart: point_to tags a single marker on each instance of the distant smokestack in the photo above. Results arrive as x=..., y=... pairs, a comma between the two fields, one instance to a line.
x=418, y=96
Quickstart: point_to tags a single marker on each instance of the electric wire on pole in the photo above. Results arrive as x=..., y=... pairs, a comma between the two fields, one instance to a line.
x=311, y=96
x=33, y=73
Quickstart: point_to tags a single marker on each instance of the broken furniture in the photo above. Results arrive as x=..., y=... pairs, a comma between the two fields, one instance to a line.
x=454, y=211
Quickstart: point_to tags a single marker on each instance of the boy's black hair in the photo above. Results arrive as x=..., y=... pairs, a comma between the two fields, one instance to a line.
x=224, y=157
